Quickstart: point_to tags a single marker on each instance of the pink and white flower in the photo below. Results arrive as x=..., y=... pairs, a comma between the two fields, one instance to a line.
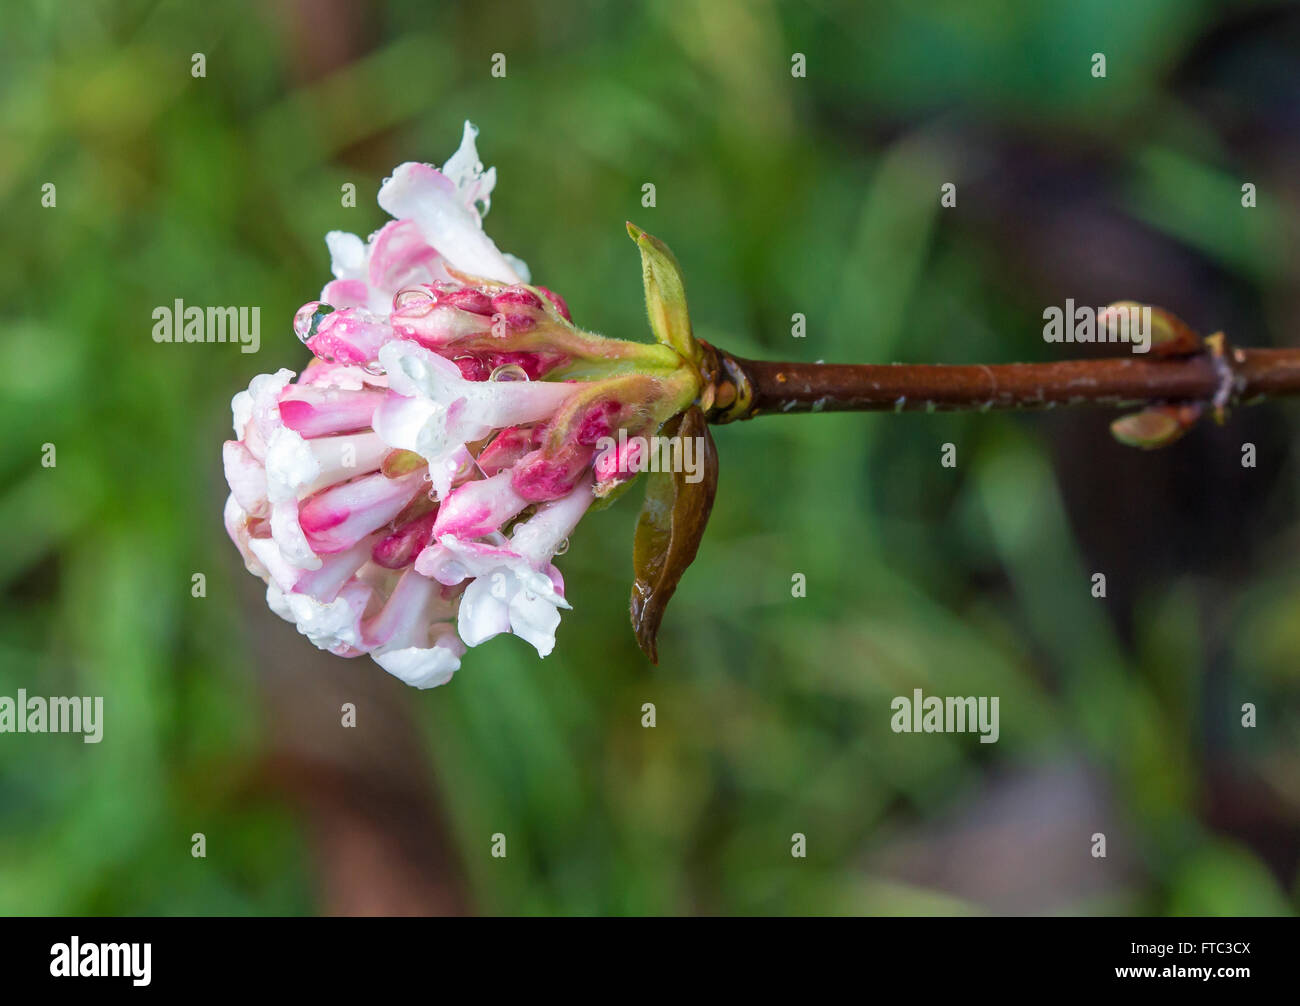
x=405, y=496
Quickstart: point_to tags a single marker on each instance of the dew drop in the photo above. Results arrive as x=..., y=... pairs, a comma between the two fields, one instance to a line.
x=306, y=322
x=562, y=547
x=508, y=372
x=414, y=301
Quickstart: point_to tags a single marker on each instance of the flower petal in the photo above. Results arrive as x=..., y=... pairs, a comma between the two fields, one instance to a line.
x=317, y=412
x=428, y=667
x=399, y=257
x=534, y=620
x=464, y=170
x=341, y=293
x=414, y=371
x=424, y=194
x=337, y=518
x=347, y=255
x=335, y=570
x=335, y=626
x=289, y=536
x=481, y=616
x=246, y=477
x=537, y=538
x=478, y=508
x=236, y=520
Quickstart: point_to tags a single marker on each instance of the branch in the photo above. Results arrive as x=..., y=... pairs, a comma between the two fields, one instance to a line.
x=1218, y=375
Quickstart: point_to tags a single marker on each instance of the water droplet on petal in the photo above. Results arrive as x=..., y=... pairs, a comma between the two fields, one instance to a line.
x=307, y=321
x=414, y=301
x=508, y=372
x=374, y=369
x=414, y=369
x=562, y=547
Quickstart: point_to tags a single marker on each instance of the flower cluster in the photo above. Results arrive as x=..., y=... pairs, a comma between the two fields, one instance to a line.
x=405, y=495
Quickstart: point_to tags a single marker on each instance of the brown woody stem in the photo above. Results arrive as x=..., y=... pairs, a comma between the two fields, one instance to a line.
x=1219, y=376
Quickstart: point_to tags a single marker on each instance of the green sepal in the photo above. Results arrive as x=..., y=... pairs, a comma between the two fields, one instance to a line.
x=665, y=295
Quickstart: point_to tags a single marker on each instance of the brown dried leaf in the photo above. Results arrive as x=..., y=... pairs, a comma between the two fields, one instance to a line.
x=669, y=530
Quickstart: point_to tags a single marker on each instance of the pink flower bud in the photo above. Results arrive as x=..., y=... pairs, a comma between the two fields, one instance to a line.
x=440, y=326
x=467, y=299
x=401, y=547
x=472, y=368
x=558, y=302
x=506, y=448
x=520, y=308
x=350, y=336
x=620, y=462
x=541, y=475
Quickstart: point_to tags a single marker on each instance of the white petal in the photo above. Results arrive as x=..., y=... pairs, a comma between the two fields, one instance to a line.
x=276, y=602
x=534, y=620
x=288, y=534
x=236, y=520
x=479, y=558
x=521, y=267
x=290, y=465
x=538, y=537
x=283, y=573
x=348, y=255
x=465, y=171
x=481, y=615
x=241, y=411
x=333, y=626
x=422, y=193
x=340, y=458
x=264, y=399
x=245, y=476
x=400, y=421
x=416, y=371
x=424, y=668
x=336, y=570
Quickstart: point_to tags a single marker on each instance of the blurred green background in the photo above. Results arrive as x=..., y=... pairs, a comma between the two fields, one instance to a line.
x=780, y=195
